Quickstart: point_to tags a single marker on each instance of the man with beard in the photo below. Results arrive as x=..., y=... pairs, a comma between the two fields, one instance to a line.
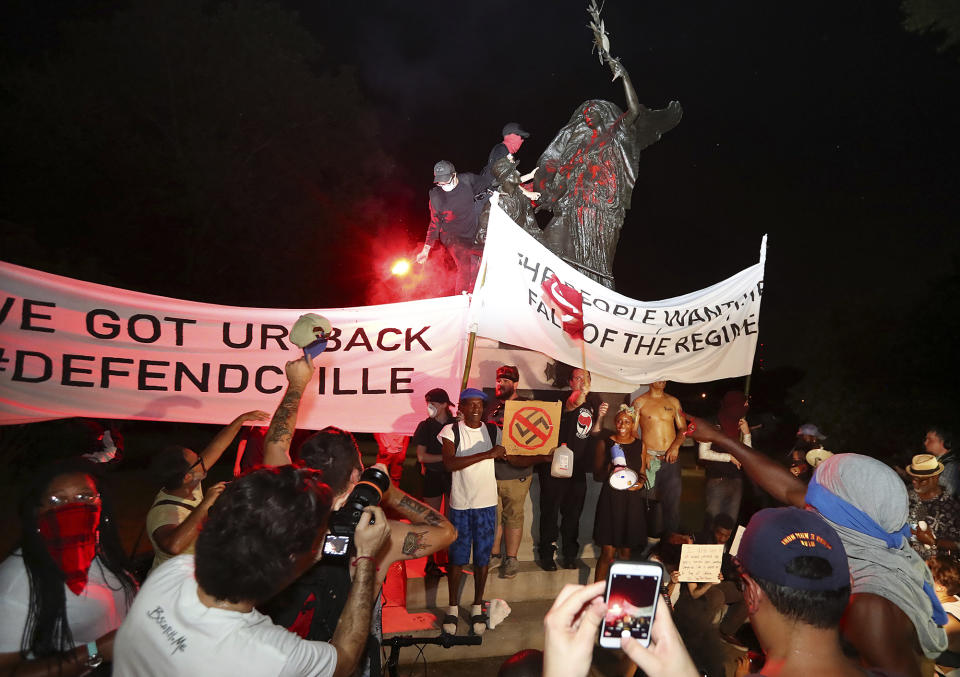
x=562, y=497
x=513, y=479
x=659, y=419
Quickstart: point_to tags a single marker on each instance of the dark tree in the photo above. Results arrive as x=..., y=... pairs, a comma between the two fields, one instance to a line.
x=190, y=149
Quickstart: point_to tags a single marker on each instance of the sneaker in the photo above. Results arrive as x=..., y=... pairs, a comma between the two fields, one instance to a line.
x=547, y=563
x=495, y=561
x=510, y=567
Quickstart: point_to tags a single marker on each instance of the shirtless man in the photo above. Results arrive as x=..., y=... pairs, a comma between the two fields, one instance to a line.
x=659, y=418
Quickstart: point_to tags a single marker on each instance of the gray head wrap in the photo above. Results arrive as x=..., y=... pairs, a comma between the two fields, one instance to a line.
x=898, y=573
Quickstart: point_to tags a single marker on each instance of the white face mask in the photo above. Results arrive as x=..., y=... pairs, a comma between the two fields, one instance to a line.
x=432, y=410
x=447, y=187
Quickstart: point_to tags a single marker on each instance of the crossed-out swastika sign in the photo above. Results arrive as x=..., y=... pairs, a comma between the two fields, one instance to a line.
x=531, y=427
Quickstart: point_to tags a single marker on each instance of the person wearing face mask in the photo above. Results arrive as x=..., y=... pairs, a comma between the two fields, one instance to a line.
x=455, y=204
x=513, y=137
x=436, y=478
x=180, y=506
x=67, y=586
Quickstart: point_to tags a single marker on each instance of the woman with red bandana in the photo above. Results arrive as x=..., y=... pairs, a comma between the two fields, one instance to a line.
x=65, y=589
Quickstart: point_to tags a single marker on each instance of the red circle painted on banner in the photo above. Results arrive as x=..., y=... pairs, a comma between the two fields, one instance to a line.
x=535, y=426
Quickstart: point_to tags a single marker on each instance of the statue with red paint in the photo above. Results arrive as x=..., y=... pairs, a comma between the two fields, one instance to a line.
x=587, y=173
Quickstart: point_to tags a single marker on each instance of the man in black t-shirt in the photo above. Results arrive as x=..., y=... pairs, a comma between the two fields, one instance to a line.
x=436, y=478
x=455, y=204
x=564, y=496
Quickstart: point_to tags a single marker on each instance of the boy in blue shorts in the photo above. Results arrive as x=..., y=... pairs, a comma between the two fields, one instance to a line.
x=469, y=449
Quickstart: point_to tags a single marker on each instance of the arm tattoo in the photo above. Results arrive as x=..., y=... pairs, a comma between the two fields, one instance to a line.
x=412, y=505
x=279, y=431
x=431, y=518
x=414, y=542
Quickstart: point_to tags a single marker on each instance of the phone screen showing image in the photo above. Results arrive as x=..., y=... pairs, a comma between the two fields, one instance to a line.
x=630, y=606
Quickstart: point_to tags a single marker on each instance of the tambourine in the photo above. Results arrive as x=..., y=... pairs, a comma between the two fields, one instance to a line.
x=623, y=478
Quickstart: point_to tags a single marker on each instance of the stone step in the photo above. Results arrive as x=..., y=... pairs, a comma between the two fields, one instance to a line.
x=530, y=584
x=522, y=629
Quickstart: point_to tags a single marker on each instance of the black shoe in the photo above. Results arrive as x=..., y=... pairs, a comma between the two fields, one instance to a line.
x=569, y=563
x=547, y=563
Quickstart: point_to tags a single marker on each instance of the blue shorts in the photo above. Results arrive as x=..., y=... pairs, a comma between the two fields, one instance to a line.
x=475, y=528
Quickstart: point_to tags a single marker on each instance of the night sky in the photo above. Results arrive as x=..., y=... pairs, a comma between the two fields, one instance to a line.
x=824, y=124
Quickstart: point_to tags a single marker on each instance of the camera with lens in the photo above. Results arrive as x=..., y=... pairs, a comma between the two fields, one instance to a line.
x=343, y=523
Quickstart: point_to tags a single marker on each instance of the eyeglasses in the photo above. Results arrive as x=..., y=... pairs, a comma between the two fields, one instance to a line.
x=90, y=498
x=200, y=463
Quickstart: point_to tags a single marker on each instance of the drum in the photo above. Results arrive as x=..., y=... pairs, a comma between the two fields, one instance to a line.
x=623, y=478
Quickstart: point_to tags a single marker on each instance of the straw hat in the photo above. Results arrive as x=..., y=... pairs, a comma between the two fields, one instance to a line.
x=817, y=456
x=924, y=465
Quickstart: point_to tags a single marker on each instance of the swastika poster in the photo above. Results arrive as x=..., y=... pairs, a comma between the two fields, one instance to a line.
x=531, y=427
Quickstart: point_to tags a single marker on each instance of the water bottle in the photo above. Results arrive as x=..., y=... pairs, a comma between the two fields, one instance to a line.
x=562, y=465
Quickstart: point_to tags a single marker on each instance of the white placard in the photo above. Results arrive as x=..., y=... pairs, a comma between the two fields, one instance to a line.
x=735, y=546
x=700, y=563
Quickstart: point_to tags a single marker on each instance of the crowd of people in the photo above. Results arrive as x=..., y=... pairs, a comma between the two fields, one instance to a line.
x=260, y=576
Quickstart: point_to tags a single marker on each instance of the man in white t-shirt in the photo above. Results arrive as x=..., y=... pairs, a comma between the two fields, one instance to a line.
x=469, y=449
x=196, y=615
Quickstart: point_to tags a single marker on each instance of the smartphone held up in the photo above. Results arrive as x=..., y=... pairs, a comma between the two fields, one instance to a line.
x=631, y=597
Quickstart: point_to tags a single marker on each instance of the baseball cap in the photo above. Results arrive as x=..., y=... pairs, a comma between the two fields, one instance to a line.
x=438, y=395
x=776, y=536
x=472, y=394
x=443, y=171
x=508, y=371
x=811, y=429
x=515, y=128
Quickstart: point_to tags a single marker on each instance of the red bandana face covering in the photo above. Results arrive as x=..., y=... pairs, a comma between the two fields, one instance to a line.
x=71, y=536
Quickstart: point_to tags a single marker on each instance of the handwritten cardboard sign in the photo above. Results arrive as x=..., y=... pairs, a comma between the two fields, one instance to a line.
x=700, y=563
x=531, y=427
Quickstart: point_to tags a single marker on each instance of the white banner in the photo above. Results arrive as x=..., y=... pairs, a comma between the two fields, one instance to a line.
x=703, y=336
x=73, y=348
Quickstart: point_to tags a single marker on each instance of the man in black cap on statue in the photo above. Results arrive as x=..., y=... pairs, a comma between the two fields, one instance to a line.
x=455, y=204
x=513, y=137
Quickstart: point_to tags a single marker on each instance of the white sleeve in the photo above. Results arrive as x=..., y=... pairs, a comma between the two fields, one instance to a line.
x=446, y=433
x=310, y=659
x=14, y=603
x=706, y=453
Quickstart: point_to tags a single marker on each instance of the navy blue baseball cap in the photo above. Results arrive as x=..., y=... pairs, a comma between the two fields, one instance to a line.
x=472, y=394
x=776, y=536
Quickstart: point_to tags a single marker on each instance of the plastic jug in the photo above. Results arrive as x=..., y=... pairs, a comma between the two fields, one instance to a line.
x=562, y=465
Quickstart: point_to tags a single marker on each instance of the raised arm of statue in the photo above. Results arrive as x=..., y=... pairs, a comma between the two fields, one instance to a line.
x=634, y=107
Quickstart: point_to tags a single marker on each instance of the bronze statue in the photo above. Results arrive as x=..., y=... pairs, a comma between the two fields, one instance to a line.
x=587, y=173
x=512, y=198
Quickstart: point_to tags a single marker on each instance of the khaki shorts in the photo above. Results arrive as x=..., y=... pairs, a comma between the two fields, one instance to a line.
x=511, y=496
